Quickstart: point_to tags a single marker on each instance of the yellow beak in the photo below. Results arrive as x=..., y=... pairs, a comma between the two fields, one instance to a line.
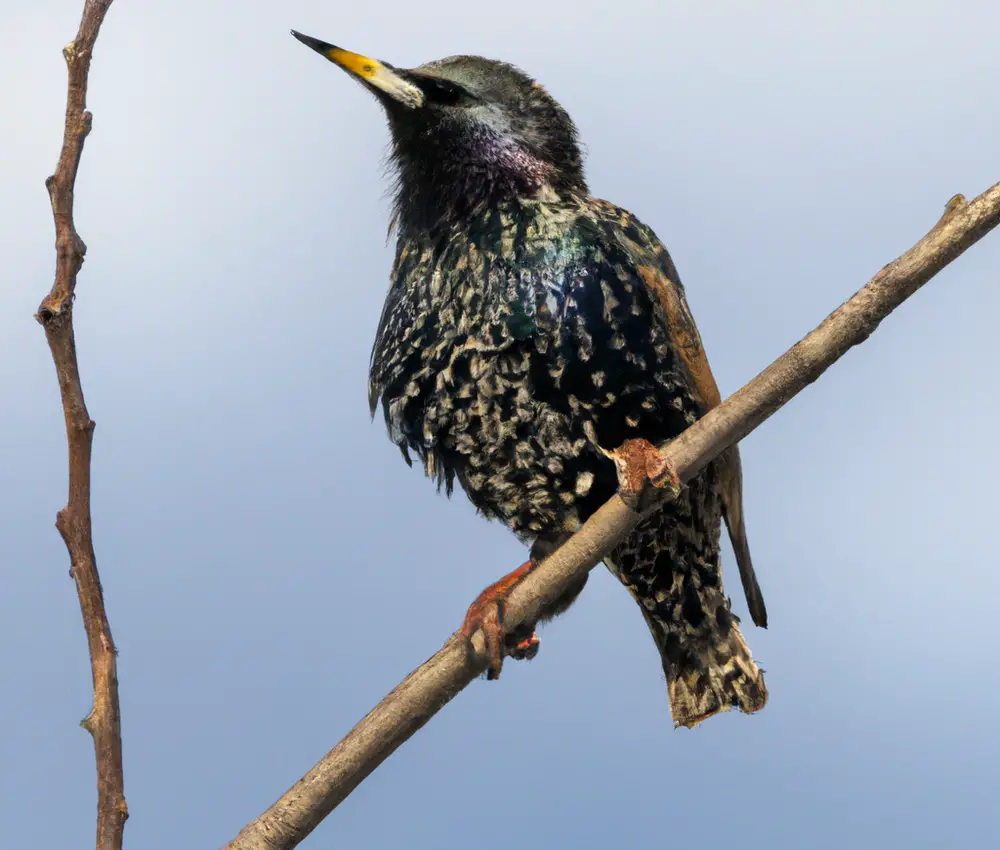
x=371, y=72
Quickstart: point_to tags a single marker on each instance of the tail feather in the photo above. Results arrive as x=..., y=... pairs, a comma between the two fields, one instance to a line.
x=707, y=673
x=703, y=680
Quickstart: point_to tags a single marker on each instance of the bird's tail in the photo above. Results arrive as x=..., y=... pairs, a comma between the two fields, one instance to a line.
x=676, y=579
x=707, y=674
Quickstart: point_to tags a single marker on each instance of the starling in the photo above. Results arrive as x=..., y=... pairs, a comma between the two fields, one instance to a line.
x=530, y=331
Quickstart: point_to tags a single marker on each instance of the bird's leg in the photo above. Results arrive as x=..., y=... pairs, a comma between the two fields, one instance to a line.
x=639, y=462
x=486, y=613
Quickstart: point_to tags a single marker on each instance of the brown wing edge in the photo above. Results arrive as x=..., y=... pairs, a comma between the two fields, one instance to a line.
x=687, y=342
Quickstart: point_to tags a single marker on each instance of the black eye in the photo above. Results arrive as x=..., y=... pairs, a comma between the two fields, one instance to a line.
x=440, y=91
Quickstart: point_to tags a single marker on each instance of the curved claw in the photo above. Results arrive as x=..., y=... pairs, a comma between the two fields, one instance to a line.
x=486, y=615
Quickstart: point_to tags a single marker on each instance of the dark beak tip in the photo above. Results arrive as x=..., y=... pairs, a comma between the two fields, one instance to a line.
x=314, y=43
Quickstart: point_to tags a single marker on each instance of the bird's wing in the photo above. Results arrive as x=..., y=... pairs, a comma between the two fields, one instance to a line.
x=660, y=276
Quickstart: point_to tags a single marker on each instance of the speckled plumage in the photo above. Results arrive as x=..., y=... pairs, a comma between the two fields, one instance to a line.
x=513, y=345
x=510, y=353
x=528, y=329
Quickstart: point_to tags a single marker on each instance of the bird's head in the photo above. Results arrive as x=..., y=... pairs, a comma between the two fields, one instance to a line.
x=467, y=133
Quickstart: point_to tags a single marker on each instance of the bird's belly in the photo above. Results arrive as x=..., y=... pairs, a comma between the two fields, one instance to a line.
x=518, y=458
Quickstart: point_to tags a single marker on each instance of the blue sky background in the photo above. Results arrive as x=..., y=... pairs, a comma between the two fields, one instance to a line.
x=272, y=567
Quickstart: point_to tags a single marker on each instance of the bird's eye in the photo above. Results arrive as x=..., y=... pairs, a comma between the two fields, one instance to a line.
x=442, y=92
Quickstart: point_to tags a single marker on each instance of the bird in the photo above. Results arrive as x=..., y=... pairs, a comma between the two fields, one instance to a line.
x=532, y=340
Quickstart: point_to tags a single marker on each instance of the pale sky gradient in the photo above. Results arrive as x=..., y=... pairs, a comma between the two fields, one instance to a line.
x=272, y=567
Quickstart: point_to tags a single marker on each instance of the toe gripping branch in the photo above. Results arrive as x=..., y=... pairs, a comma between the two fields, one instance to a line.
x=645, y=476
x=642, y=471
x=486, y=613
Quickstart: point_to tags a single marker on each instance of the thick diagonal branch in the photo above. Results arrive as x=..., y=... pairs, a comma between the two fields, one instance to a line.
x=56, y=315
x=428, y=688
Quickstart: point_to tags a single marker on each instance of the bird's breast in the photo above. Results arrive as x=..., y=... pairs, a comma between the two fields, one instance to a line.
x=510, y=353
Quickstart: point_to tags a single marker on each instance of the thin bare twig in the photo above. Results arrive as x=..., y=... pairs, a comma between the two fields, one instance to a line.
x=56, y=315
x=432, y=685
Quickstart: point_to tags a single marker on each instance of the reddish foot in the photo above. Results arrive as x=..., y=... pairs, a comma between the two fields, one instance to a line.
x=639, y=461
x=486, y=613
x=527, y=648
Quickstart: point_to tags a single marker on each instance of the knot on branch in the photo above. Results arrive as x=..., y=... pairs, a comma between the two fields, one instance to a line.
x=75, y=50
x=56, y=305
x=70, y=245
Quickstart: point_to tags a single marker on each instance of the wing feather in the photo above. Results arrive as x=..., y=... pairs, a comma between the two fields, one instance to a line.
x=662, y=281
